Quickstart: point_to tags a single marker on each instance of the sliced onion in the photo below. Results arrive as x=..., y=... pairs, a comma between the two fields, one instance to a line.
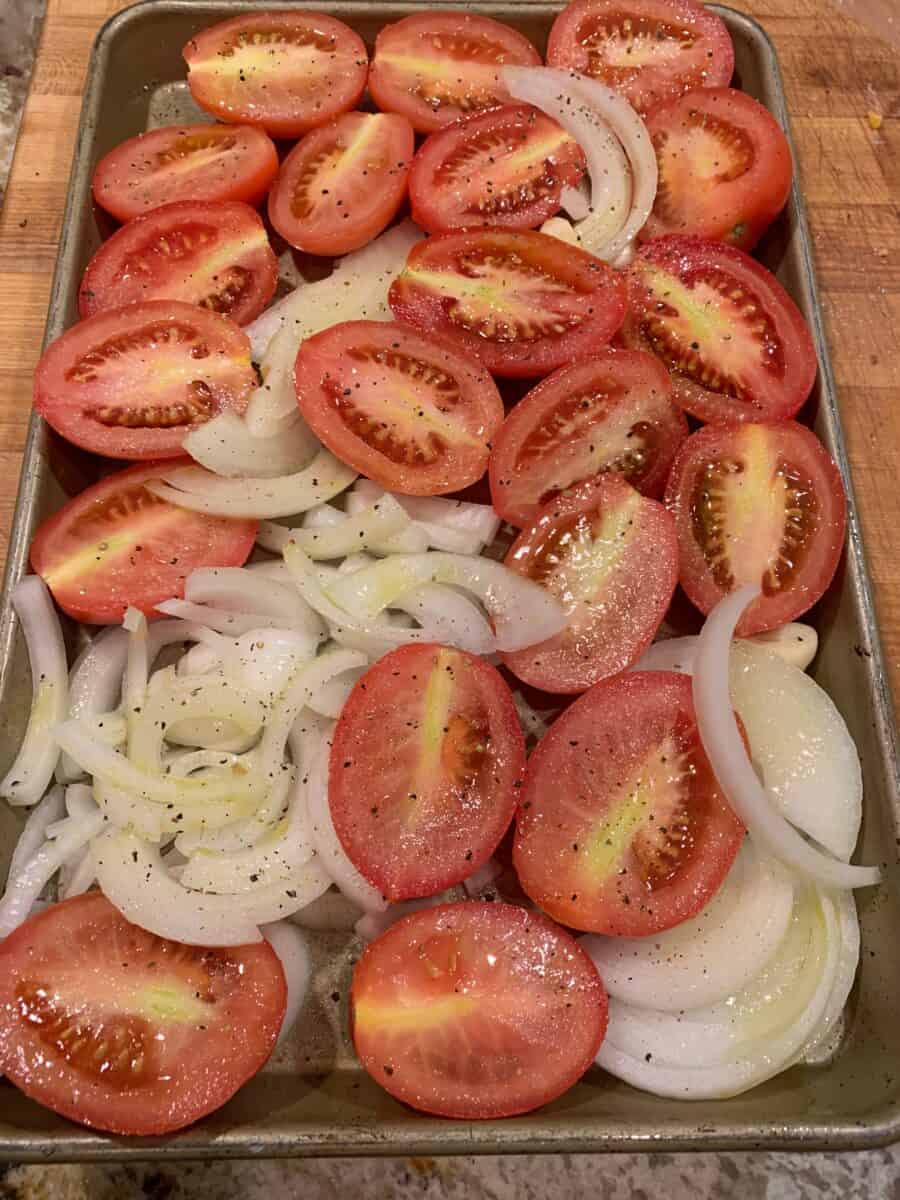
x=374, y=524
x=574, y=203
x=458, y=526
x=450, y=617
x=95, y=684
x=238, y=590
x=226, y=446
x=292, y=949
x=265, y=660
x=332, y=696
x=728, y=757
x=76, y=880
x=821, y=1045
x=794, y=642
x=80, y=800
x=124, y=810
x=218, y=620
x=34, y=832
x=137, y=670
x=241, y=835
x=29, y=777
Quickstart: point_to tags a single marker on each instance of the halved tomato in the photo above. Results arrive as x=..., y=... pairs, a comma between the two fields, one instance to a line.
x=649, y=50
x=406, y=410
x=622, y=828
x=505, y=167
x=734, y=342
x=185, y=162
x=759, y=504
x=610, y=556
x=215, y=255
x=286, y=72
x=612, y=413
x=116, y=544
x=343, y=183
x=121, y=1030
x=426, y=762
x=476, y=1010
x=133, y=381
x=522, y=303
x=725, y=167
x=435, y=67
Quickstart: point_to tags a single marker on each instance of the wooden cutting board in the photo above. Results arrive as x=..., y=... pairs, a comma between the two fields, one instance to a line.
x=840, y=81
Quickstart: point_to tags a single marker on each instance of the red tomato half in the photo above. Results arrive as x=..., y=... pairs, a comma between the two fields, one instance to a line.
x=759, y=504
x=343, y=183
x=522, y=303
x=133, y=381
x=121, y=1030
x=286, y=72
x=116, y=544
x=476, y=1010
x=435, y=67
x=214, y=255
x=725, y=167
x=505, y=167
x=622, y=827
x=426, y=763
x=610, y=556
x=408, y=411
x=649, y=50
x=612, y=413
x=185, y=162
x=734, y=342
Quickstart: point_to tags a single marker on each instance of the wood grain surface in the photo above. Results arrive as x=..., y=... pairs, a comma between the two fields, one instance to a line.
x=840, y=80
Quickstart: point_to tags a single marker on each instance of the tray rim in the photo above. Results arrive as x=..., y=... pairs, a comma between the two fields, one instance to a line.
x=427, y=1135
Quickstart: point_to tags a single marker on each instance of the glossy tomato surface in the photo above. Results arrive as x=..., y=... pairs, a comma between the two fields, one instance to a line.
x=123, y=1031
x=622, y=828
x=343, y=183
x=732, y=339
x=476, y=1010
x=522, y=303
x=116, y=544
x=215, y=255
x=762, y=504
x=611, y=413
x=185, y=162
x=435, y=67
x=131, y=382
x=286, y=72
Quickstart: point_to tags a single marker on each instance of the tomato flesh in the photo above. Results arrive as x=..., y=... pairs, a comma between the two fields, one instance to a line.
x=505, y=167
x=522, y=303
x=610, y=555
x=343, y=183
x=403, y=409
x=725, y=167
x=436, y=67
x=735, y=344
x=214, y=255
x=185, y=162
x=123, y=1031
x=762, y=504
x=476, y=1010
x=622, y=828
x=131, y=382
x=612, y=413
x=426, y=763
x=649, y=50
x=286, y=72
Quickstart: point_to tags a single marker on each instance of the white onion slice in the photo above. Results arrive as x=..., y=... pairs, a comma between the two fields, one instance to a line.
x=449, y=617
x=34, y=832
x=574, y=203
x=218, y=620
x=77, y=880
x=30, y=774
x=374, y=524
x=226, y=446
x=292, y=949
x=241, y=835
x=458, y=526
x=732, y=766
x=332, y=696
x=80, y=800
x=238, y=590
x=821, y=1045
x=95, y=684
x=794, y=642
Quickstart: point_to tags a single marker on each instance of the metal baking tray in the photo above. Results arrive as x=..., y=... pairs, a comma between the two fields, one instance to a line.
x=313, y=1098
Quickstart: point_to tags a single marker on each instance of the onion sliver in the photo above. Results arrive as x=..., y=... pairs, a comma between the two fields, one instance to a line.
x=95, y=684
x=449, y=617
x=821, y=1043
x=29, y=776
x=374, y=524
x=728, y=757
x=50, y=810
x=332, y=696
x=241, y=835
x=292, y=949
x=217, y=620
x=227, y=447
x=238, y=590
x=459, y=526
x=81, y=876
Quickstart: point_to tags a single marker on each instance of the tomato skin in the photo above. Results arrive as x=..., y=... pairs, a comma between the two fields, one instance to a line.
x=147, y=171
x=584, y=39
x=176, y=253
x=237, y=82
x=508, y=1011
x=539, y=448
x=119, y=383
x=574, y=302
x=95, y=581
x=359, y=205
x=752, y=338
x=65, y=969
x=459, y=177
x=583, y=850
x=427, y=97
x=803, y=529
x=735, y=203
